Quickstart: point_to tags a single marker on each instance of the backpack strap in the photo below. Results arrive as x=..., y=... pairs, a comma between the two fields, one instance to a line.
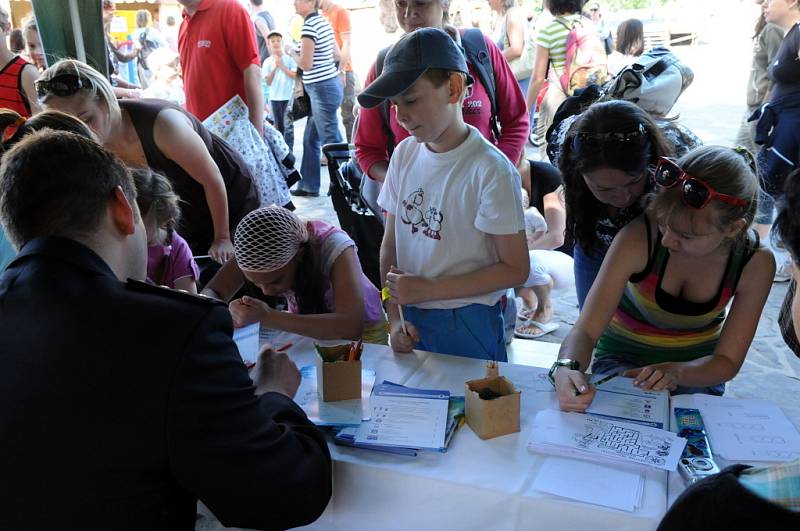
x=477, y=54
x=551, y=66
x=658, y=68
x=20, y=89
x=383, y=108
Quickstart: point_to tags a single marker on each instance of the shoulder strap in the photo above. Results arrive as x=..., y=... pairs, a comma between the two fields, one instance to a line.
x=22, y=63
x=745, y=251
x=651, y=253
x=477, y=54
x=658, y=68
x=565, y=23
x=383, y=108
x=380, y=60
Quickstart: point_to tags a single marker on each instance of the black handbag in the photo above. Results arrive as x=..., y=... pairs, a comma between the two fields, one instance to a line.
x=301, y=105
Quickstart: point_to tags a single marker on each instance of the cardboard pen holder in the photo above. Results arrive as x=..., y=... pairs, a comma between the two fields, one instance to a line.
x=495, y=417
x=339, y=380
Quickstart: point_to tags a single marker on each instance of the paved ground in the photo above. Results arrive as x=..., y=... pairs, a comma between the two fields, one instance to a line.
x=712, y=107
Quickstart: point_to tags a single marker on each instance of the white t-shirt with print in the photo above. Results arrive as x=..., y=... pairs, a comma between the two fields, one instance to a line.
x=447, y=206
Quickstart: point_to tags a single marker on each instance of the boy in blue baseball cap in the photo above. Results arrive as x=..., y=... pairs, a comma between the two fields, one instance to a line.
x=455, y=233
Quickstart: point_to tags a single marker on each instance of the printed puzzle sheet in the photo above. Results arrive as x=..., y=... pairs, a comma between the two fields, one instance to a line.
x=603, y=440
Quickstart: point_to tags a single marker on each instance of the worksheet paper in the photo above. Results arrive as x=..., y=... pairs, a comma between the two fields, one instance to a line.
x=246, y=339
x=619, y=399
x=403, y=416
x=338, y=413
x=748, y=430
x=604, y=441
x=608, y=486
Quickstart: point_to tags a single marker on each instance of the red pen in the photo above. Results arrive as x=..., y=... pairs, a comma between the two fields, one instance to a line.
x=285, y=347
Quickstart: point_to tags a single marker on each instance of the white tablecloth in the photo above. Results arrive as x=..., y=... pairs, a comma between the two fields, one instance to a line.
x=481, y=485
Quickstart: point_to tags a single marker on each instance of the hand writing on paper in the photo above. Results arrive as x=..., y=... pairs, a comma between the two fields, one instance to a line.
x=275, y=372
x=655, y=377
x=403, y=342
x=248, y=310
x=407, y=289
x=574, y=393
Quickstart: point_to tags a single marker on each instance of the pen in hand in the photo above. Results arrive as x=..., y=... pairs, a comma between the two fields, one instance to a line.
x=385, y=296
x=604, y=379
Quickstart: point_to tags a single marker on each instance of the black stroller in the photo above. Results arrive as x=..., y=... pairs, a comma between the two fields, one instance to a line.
x=354, y=196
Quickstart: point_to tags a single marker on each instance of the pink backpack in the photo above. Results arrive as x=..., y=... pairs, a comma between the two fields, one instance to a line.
x=586, y=60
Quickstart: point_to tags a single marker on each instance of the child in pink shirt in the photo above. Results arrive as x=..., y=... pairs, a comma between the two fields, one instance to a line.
x=169, y=260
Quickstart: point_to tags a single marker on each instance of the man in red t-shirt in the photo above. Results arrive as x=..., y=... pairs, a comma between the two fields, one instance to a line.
x=339, y=19
x=219, y=58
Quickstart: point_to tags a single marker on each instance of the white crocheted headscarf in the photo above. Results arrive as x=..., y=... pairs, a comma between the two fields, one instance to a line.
x=267, y=239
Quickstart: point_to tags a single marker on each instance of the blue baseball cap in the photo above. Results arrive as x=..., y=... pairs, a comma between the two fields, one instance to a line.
x=409, y=58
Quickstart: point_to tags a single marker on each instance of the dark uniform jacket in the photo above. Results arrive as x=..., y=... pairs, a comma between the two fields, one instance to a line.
x=121, y=404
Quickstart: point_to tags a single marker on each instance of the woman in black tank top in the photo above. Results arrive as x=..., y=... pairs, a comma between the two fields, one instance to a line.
x=212, y=180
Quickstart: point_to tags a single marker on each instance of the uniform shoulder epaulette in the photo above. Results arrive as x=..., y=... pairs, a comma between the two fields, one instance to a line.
x=163, y=291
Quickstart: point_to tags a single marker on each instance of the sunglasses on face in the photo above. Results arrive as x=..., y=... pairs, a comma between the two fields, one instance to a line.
x=694, y=192
x=61, y=85
x=589, y=140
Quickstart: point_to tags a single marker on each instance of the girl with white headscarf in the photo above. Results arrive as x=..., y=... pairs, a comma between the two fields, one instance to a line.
x=313, y=265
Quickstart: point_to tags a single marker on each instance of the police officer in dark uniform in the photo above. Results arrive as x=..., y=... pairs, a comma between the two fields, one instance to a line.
x=122, y=404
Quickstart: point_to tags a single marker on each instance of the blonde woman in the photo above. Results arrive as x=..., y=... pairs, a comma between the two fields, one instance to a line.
x=211, y=178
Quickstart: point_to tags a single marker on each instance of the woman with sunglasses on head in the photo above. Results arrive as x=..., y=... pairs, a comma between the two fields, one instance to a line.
x=605, y=160
x=212, y=180
x=677, y=301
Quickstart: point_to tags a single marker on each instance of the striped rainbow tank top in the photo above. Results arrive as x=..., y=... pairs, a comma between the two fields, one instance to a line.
x=653, y=326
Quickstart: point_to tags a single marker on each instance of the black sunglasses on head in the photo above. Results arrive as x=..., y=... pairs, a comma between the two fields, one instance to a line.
x=61, y=85
x=590, y=140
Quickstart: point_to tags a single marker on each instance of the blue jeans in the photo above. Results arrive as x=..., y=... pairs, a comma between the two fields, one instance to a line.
x=524, y=84
x=586, y=267
x=473, y=331
x=322, y=127
x=615, y=364
x=281, y=113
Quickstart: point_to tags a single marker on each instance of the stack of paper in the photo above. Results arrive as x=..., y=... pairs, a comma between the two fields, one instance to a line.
x=407, y=417
x=591, y=483
x=405, y=420
x=339, y=413
x=455, y=419
x=748, y=430
x=605, y=441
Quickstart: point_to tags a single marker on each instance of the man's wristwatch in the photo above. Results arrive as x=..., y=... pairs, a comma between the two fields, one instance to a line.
x=561, y=362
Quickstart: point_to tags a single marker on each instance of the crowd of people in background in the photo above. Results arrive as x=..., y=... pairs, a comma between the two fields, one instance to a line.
x=574, y=201
x=534, y=159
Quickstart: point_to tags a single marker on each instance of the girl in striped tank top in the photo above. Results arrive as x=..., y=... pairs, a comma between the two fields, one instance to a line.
x=678, y=297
